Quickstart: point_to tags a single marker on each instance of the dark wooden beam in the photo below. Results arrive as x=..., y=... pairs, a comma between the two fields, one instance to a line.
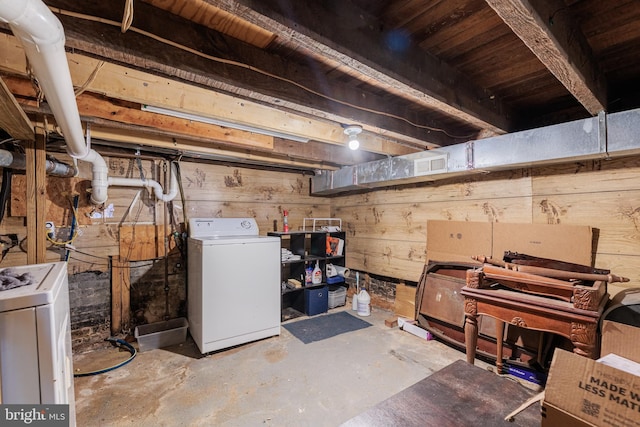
x=346, y=34
x=559, y=44
x=280, y=84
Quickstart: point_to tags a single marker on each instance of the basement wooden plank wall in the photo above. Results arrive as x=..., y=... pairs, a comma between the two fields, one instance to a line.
x=387, y=227
x=231, y=191
x=210, y=191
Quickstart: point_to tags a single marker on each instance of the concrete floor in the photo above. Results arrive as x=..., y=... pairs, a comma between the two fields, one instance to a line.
x=278, y=381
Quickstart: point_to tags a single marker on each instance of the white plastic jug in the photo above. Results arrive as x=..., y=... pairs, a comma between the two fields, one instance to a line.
x=316, y=275
x=364, y=301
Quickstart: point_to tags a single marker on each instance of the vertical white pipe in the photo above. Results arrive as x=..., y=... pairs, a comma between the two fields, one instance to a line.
x=42, y=37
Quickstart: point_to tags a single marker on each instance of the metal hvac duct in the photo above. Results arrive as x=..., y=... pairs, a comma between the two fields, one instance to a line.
x=604, y=136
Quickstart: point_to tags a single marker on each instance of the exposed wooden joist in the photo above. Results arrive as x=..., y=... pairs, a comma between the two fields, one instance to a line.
x=12, y=118
x=312, y=155
x=262, y=76
x=210, y=16
x=119, y=82
x=131, y=136
x=559, y=44
x=198, y=137
x=93, y=105
x=359, y=44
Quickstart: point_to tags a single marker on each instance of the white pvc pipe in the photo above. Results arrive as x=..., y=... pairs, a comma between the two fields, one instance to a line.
x=43, y=40
x=150, y=183
x=42, y=37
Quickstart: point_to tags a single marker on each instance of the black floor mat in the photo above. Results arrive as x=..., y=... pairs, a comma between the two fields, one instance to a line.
x=325, y=326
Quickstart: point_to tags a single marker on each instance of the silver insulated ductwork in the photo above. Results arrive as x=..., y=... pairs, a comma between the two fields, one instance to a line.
x=601, y=137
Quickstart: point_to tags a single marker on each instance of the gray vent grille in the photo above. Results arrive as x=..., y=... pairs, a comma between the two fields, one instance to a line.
x=430, y=165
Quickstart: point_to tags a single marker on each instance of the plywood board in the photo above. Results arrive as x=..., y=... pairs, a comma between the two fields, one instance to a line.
x=139, y=242
x=59, y=199
x=405, y=302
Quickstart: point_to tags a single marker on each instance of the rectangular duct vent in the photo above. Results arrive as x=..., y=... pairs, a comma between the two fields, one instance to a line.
x=430, y=165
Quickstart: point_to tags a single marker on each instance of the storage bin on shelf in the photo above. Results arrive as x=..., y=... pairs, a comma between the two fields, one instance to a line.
x=337, y=296
x=316, y=300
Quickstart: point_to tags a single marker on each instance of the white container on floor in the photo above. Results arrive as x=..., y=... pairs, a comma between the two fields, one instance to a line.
x=364, y=300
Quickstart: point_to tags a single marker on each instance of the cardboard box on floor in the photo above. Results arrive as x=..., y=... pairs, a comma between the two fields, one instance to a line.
x=459, y=240
x=620, y=339
x=583, y=392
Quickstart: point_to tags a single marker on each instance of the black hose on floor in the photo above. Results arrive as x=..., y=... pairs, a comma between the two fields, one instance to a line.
x=117, y=342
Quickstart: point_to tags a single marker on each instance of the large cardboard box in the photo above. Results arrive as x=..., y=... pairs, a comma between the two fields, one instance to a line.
x=569, y=243
x=618, y=338
x=459, y=240
x=584, y=392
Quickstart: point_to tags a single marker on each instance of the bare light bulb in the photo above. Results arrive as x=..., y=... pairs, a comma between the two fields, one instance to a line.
x=353, y=131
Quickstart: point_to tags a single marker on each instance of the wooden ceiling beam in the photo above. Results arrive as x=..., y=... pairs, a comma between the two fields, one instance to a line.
x=99, y=106
x=359, y=44
x=123, y=115
x=559, y=44
x=210, y=16
x=130, y=135
x=119, y=82
x=12, y=118
x=240, y=69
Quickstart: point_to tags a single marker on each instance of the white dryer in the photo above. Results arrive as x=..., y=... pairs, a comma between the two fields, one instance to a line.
x=36, y=364
x=233, y=284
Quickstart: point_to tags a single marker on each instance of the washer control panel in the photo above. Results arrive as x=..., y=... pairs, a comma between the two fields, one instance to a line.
x=217, y=227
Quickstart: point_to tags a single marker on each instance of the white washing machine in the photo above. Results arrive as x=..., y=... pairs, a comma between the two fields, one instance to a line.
x=36, y=364
x=234, y=283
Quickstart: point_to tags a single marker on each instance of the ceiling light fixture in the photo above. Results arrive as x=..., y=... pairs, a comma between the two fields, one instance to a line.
x=353, y=131
x=219, y=122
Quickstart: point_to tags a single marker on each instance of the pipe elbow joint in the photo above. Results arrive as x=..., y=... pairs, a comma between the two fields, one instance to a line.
x=98, y=194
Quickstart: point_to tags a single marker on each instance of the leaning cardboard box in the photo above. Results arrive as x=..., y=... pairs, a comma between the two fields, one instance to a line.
x=584, y=392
